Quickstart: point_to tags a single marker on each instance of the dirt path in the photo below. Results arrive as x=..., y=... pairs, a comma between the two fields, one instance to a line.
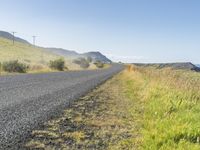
x=103, y=119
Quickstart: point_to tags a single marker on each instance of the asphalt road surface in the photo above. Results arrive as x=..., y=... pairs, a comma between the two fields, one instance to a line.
x=27, y=101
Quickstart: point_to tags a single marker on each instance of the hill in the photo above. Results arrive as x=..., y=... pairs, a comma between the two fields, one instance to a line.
x=62, y=52
x=9, y=36
x=97, y=56
x=183, y=66
x=38, y=57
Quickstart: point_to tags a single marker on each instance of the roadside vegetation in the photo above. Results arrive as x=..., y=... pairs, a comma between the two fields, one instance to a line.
x=171, y=107
x=82, y=62
x=103, y=119
x=58, y=64
x=140, y=108
x=99, y=64
x=15, y=66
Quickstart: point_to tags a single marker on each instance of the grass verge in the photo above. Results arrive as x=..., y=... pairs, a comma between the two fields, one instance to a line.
x=171, y=107
x=103, y=119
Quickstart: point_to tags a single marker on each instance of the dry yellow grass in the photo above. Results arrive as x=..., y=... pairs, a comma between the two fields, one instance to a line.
x=103, y=119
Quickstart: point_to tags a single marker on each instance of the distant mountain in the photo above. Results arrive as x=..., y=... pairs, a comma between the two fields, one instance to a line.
x=184, y=66
x=97, y=56
x=9, y=36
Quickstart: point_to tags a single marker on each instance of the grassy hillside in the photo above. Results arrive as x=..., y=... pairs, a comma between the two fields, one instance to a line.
x=37, y=58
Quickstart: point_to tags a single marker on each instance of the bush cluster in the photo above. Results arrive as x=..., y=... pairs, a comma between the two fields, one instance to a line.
x=82, y=62
x=89, y=59
x=99, y=64
x=58, y=64
x=15, y=66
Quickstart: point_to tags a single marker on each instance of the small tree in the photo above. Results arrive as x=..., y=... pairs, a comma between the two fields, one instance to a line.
x=58, y=64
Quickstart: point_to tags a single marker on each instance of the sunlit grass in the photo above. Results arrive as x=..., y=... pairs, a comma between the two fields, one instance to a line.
x=171, y=107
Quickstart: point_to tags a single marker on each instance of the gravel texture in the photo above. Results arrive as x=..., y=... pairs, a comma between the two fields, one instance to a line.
x=27, y=101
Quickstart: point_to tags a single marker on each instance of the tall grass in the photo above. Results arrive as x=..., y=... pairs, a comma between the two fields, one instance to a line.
x=171, y=107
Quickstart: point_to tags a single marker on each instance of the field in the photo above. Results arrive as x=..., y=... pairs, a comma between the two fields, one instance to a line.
x=36, y=57
x=144, y=108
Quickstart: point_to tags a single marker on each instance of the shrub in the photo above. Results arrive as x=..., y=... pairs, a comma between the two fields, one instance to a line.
x=58, y=64
x=15, y=66
x=89, y=59
x=82, y=62
x=99, y=64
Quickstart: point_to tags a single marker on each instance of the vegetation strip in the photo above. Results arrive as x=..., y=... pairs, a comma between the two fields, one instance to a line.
x=141, y=108
x=104, y=119
x=171, y=107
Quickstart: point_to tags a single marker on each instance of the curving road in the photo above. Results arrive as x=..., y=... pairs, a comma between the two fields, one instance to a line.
x=26, y=101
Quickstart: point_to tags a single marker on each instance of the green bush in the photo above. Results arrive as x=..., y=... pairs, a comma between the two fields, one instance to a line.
x=99, y=64
x=82, y=62
x=58, y=64
x=15, y=66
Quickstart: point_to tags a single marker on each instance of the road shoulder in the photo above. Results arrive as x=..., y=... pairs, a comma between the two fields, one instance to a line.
x=106, y=118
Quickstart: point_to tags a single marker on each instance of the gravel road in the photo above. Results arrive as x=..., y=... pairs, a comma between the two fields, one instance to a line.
x=27, y=101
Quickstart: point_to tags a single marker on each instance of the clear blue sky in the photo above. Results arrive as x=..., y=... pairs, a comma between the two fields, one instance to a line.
x=126, y=30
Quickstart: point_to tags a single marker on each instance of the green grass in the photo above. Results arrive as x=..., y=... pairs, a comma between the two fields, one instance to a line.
x=171, y=107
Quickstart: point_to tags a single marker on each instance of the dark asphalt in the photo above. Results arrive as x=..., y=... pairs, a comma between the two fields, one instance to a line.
x=27, y=101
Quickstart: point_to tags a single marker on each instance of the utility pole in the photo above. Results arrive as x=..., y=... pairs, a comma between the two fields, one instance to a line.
x=34, y=37
x=13, y=33
x=0, y=68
